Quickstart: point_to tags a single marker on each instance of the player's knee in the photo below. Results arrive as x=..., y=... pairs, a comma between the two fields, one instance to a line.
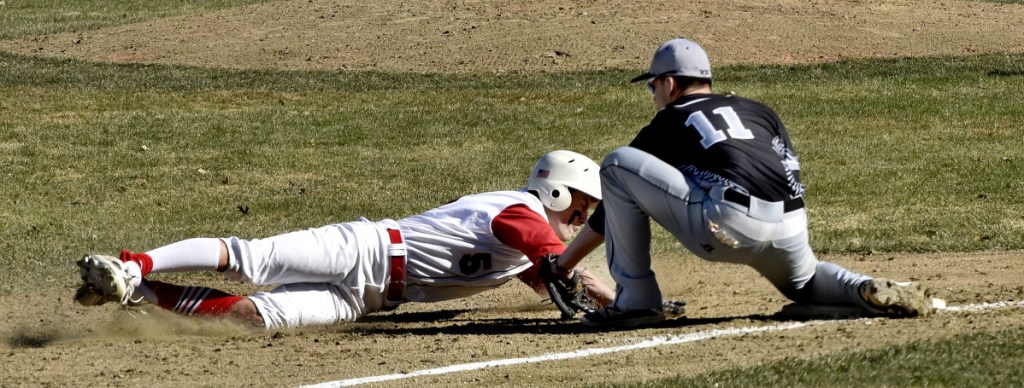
x=615, y=157
x=245, y=311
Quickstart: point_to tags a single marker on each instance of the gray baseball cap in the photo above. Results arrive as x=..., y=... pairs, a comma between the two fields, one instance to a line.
x=680, y=57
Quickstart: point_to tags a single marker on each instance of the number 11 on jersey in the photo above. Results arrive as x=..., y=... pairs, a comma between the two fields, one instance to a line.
x=711, y=135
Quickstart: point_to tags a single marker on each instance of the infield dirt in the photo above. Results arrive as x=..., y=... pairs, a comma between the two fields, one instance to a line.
x=514, y=36
x=56, y=343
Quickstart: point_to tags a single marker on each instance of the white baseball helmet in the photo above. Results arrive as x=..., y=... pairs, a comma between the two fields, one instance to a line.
x=558, y=171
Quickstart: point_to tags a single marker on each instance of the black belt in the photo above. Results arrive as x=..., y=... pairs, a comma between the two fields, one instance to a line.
x=744, y=200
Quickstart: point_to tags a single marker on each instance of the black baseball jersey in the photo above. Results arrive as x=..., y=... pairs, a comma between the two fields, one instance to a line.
x=722, y=140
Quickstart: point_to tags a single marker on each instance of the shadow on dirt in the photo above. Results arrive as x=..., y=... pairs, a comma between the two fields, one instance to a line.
x=416, y=317
x=507, y=326
x=32, y=340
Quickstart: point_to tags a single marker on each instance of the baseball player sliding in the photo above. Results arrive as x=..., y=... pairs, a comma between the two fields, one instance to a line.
x=344, y=271
x=719, y=173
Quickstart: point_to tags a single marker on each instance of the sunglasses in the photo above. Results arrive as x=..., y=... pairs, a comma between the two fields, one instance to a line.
x=650, y=84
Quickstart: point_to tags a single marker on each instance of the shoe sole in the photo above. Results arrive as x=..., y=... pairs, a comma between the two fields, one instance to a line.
x=86, y=295
x=102, y=273
x=900, y=299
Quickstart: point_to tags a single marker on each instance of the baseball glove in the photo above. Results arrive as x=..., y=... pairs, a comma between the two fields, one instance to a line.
x=564, y=288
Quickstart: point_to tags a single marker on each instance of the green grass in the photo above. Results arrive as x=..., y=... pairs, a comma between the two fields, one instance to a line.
x=968, y=360
x=898, y=155
x=20, y=18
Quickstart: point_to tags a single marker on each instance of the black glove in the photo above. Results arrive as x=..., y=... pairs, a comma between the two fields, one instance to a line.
x=564, y=287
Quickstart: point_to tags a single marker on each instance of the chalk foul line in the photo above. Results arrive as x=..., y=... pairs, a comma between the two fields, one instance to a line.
x=649, y=343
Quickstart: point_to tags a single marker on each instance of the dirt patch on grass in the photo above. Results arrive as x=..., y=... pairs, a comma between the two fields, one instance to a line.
x=515, y=36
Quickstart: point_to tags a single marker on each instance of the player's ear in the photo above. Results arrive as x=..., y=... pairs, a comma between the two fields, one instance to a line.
x=675, y=87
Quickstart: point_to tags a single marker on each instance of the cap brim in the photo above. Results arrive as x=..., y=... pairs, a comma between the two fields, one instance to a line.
x=642, y=77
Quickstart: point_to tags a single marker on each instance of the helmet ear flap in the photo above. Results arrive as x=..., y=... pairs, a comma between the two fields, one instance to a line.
x=556, y=198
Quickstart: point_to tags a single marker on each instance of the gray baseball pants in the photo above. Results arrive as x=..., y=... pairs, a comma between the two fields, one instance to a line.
x=637, y=187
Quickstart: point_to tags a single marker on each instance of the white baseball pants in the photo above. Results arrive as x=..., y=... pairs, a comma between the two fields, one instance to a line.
x=325, y=275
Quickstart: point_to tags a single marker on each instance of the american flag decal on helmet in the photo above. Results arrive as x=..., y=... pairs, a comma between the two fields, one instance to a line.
x=542, y=173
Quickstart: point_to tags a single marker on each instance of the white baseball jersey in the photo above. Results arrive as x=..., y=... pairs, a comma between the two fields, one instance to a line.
x=475, y=243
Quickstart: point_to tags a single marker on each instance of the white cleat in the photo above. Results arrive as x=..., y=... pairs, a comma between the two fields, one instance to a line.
x=106, y=280
x=897, y=299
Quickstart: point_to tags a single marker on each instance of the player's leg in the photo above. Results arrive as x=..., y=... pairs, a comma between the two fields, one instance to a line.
x=320, y=255
x=327, y=254
x=288, y=305
x=627, y=188
x=636, y=186
x=674, y=201
x=293, y=305
x=201, y=301
x=792, y=267
x=341, y=269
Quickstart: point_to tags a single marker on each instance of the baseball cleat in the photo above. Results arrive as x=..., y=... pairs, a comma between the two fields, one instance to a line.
x=612, y=316
x=88, y=295
x=673, y=309
x=897, y=299
x=106, y=280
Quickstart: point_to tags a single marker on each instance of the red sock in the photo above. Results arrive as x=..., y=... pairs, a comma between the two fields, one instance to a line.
x=190, y=300
x=143, y=260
